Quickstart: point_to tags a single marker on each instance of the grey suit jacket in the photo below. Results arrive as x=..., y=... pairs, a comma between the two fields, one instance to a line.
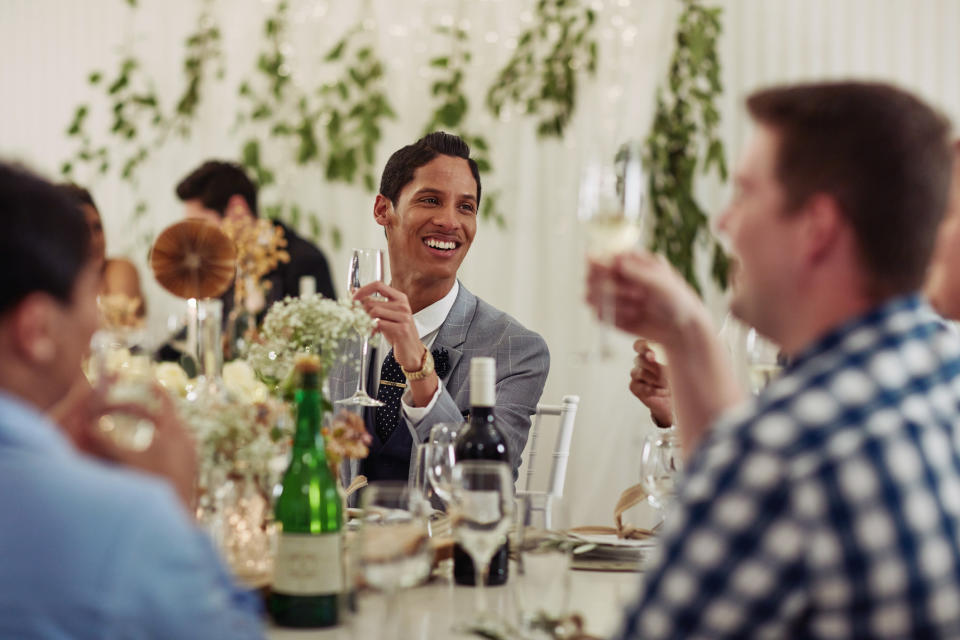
x=475, y=328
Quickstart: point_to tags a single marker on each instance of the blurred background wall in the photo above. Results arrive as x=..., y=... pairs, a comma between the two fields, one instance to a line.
x=534, y=267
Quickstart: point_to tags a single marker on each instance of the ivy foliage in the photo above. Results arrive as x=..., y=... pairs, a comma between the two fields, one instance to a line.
x=541, y=75
x=683, y=140
x=452, y=108
x=138, y=124
x=347, y=115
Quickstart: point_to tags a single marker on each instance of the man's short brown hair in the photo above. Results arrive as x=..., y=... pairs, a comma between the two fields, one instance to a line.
x=881, y=153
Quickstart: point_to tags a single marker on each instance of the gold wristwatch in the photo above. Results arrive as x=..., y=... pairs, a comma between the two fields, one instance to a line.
x=426, y=367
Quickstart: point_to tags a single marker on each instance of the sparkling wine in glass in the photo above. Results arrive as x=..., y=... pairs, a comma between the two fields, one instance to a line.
x=611, y=207
x=366, y=266
x=482, y=514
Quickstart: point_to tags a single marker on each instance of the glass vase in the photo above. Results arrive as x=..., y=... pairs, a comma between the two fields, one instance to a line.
x=209, y=345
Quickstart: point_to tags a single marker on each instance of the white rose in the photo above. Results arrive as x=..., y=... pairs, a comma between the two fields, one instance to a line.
x=172, y=377
x=240, y=381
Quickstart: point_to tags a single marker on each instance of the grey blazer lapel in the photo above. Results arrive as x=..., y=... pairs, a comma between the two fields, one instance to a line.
x=453, y=332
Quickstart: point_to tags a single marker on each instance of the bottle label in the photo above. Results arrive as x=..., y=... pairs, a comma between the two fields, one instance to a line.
x=483, y=507
x=309, y=565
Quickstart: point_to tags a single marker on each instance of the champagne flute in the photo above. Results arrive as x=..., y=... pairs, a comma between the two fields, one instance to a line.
x=366, y=266
x=611, y=206
x=661, y=465
x=482, y=511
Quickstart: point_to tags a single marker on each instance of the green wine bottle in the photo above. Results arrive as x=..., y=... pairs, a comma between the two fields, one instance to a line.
x=308, y=575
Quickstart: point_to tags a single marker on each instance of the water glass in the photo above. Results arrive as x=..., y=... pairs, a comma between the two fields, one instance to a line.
x=661, y=466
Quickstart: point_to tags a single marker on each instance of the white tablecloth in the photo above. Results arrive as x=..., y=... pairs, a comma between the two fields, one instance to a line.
x=431, y=611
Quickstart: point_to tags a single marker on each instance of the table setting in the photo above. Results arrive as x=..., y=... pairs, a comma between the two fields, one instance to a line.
x=271, y=444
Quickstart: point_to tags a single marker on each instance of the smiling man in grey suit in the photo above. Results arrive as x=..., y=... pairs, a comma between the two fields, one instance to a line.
x=432, y=326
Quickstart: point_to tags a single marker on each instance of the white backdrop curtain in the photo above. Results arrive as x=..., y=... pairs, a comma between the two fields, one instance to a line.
x=533, y=269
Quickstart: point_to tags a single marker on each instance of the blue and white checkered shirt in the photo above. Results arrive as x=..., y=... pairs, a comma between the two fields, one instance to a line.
x=829, y=506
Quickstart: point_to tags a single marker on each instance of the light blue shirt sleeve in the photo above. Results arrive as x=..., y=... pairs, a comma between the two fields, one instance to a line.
x=171, y=582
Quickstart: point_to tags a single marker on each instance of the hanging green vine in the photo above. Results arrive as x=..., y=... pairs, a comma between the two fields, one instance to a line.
x=452, y=111
x=138, y=125
x=346, y=115
x=684, y=138
x=541, y=76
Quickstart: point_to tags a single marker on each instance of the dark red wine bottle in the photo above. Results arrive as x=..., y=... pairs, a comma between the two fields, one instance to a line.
x=481, y=440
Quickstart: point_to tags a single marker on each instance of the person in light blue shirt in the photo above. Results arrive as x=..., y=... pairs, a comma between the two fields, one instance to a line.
x=89, y=548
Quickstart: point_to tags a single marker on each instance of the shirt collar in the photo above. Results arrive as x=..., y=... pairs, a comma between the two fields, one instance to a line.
x=431, y=317
x=880, y=320
x=21, y=425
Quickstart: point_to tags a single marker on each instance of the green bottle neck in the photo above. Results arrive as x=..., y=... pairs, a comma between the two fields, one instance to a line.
x=309, y=403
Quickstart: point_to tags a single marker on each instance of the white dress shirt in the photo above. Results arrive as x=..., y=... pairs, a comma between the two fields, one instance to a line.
x=428, y=321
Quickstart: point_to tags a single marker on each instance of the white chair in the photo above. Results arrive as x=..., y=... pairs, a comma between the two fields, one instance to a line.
x=567, y=412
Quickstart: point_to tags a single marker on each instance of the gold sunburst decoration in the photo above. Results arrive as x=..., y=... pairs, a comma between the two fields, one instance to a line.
x=194, y=259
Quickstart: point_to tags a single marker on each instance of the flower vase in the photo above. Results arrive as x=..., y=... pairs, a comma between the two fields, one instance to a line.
x=209, y=347
x=238, y=517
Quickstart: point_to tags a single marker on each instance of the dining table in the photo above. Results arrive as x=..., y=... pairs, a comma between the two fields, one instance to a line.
x=441, y=609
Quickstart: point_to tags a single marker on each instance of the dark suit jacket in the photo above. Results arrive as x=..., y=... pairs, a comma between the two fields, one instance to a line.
x=473, y=328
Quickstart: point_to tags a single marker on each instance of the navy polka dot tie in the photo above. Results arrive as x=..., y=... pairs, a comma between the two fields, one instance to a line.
x=392, y=386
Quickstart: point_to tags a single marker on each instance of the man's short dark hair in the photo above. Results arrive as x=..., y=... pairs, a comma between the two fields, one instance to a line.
x=214, y=182
x=881, y=153
x=45, y=241
x=404, y=162
x=78, y=194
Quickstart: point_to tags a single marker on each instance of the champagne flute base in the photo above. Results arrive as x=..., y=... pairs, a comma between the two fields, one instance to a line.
x=360, y=399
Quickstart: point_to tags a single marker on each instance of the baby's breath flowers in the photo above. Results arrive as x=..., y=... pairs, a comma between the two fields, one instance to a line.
x=308, y=324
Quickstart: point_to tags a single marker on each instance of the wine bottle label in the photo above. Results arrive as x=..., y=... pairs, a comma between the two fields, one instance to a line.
x=482, y=507
x=309, y=565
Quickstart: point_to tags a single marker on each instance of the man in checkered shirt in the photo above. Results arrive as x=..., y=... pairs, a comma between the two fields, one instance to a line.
x=829, y=505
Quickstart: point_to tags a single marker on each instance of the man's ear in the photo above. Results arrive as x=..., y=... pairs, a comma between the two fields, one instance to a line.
x=238, y=209
x=31, y=323
x=383, y=210
x=824, y=225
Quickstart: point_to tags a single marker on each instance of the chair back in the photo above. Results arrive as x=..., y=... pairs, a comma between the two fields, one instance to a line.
x=567, y=413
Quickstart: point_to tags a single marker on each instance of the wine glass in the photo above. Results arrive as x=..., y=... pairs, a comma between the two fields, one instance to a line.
x=366, y=266
x=661, y=465
x=439, y=471
x=395, y=549
x=611, y=206
x=764, y=360
x=446, y=432
x=482, y=512
x=126, y=378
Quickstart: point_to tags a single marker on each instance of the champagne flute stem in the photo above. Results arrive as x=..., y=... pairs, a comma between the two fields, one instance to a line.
x=364, y=348
x=480, y=570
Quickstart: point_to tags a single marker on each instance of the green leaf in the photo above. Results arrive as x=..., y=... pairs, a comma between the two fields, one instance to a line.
x=335, y=53
x=94, y=77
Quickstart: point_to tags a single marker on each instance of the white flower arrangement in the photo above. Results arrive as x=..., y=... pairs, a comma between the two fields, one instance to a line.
x=240, y=440
x=308, y=324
